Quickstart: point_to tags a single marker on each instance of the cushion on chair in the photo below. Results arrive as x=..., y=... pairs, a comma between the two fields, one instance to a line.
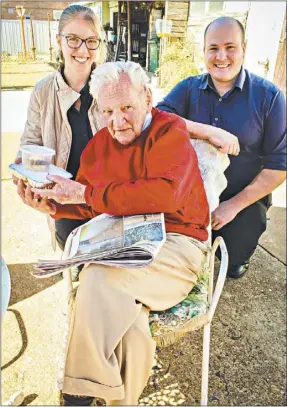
x=168, y=326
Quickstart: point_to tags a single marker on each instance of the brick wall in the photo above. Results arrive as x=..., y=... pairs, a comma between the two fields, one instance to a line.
x=38, y=9
x=177, y=12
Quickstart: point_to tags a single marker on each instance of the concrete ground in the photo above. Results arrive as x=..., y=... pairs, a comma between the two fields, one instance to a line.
x=248, y=344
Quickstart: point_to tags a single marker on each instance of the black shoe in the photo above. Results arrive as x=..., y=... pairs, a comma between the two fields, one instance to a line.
x=237, y=271
x=70, y=400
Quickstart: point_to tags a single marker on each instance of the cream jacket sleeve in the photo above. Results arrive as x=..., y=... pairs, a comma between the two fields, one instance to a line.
x=32, y=132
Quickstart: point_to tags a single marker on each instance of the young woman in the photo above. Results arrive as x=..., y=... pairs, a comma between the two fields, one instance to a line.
x=62, y=114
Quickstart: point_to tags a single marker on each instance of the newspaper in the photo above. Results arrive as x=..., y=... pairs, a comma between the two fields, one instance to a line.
x=120, y=241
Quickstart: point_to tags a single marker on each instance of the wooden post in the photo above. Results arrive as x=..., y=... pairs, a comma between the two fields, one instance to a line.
x=21, y=14
x=23, y=36
x=50, y=42
x=33, y=39
x=129, y=31
x=165, y=19
x=119, y=31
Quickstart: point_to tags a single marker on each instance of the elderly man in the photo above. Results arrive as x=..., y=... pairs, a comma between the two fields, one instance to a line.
x=252, y=109
x=141, y=162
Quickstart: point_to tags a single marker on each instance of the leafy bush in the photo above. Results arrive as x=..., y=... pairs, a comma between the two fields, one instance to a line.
x=5, y=57
x=176, y=63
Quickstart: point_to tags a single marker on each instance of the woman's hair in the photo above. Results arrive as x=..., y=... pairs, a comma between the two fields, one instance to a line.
x=87, y=14
x=110, y=71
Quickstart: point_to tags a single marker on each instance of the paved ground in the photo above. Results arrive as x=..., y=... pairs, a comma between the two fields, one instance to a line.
x=248, y=347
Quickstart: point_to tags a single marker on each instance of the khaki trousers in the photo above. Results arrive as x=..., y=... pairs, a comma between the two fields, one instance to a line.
x=110, y=350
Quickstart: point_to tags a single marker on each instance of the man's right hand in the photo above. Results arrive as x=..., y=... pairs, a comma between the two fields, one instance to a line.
x=223, y=140
x=40, y=204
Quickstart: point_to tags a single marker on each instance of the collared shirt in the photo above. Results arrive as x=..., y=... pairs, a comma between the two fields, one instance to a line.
x=254, y=110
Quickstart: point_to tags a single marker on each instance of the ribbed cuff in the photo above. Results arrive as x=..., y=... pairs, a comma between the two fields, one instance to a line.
x=88, y=194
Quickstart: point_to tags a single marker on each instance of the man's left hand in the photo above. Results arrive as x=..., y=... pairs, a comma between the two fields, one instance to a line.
x=223, y=214
x=65, y=191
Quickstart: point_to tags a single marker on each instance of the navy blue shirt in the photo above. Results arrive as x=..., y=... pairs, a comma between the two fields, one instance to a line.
x=254, y=110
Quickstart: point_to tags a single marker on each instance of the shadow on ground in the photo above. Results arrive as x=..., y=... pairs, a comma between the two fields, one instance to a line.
x=24, y=338
x=29, y=399
x=24, y=285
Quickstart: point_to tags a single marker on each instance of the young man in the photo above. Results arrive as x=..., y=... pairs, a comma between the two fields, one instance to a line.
x=254, y=110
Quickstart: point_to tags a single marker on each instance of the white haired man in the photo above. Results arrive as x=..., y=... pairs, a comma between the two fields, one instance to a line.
x=141, y=162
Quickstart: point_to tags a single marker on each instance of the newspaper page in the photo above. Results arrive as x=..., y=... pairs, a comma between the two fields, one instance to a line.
x=121, y=241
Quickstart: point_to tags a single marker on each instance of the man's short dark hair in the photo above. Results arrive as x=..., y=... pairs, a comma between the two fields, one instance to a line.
x=219, y=19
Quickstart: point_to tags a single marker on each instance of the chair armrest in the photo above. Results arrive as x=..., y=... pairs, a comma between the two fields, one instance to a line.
x=218, y=242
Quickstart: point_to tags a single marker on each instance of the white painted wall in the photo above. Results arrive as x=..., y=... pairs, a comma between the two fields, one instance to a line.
x=263, y=31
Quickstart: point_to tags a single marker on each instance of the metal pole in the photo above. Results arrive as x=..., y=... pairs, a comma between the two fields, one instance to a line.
x=129, y=31
x=50, y=42
x=33, y=39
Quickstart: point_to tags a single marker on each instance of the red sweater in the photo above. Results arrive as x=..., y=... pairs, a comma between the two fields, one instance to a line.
x=157, y=172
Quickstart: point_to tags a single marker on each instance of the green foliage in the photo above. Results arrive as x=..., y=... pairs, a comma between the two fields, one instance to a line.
x=176, y=63
x=5, y=57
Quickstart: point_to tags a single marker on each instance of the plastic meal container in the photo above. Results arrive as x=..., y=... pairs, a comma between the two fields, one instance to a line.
x=37, y=158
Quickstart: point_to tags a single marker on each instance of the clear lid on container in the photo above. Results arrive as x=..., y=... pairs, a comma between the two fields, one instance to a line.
x=38, y=150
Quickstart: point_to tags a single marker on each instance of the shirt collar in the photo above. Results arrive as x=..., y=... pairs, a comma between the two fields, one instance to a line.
x=147, y=121
x=207, y=81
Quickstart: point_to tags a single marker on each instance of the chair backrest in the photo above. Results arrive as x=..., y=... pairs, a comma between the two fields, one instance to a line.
x=212, y=164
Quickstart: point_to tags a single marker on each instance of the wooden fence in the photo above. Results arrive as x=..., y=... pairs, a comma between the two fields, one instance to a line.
x=11, y=36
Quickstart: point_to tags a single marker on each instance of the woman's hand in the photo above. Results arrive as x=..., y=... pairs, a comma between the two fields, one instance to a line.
x=65, y=191
x=15, y=179
x=33, y=200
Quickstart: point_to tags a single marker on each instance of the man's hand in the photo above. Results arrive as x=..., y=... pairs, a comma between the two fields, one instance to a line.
x=225, y=141
x=222, y=139
x=65, y=191
x=32, y=200
x=223, y=214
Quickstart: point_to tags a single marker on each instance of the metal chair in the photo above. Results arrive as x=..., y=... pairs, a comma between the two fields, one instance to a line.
x=197, y=310
x=17, y=398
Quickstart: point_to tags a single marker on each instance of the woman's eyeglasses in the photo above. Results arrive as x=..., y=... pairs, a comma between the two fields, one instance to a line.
x=75, y=42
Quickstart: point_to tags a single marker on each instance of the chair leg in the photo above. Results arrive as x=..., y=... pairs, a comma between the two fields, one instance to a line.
x=68, y=287
x=205, y=364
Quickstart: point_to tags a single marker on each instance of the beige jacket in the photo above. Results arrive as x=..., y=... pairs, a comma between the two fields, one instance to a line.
x=47, y=122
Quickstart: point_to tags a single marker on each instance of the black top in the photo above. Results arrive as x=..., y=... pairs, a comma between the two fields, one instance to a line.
x=81, y=130
x=81, y=134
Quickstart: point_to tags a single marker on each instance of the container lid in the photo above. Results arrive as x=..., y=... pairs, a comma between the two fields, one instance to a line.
x=37, y=150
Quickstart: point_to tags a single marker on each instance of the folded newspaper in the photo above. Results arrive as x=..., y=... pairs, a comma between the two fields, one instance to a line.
x=120, y=241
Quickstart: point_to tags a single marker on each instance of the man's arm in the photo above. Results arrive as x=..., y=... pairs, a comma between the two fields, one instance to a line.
x=177, y=102
x=273, y=152
x=225, y=141
x=262, y=185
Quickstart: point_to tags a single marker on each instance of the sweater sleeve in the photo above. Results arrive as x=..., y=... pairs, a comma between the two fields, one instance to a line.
x=170, y=163
x=77, y=211
x=72, y=211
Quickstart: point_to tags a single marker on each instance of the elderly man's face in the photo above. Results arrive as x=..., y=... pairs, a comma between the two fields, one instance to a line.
x=224, y=51
x=124, y=109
